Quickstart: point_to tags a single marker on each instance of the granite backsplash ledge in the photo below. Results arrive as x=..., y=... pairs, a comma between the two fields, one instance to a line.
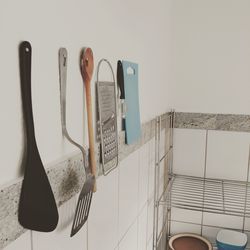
x=226, y=122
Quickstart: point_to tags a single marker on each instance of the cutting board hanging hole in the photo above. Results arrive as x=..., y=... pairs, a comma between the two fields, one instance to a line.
x=130, y=71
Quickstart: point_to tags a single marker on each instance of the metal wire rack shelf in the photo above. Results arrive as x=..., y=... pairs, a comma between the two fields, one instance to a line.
x=208, y=195
x=202, y=194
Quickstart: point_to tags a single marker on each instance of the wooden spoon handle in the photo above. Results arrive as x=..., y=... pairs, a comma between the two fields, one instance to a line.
x=90, y=131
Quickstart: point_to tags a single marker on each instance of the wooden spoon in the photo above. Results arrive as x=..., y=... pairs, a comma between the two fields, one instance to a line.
x=87, y=68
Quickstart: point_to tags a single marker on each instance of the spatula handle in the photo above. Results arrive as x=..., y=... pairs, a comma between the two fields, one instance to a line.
x=25, y=52
x=90, y=130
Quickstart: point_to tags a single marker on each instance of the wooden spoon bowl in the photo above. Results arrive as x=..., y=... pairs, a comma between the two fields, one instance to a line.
x=87, y=65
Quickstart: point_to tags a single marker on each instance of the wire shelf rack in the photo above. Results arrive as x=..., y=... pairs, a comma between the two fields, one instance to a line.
x=209, y=195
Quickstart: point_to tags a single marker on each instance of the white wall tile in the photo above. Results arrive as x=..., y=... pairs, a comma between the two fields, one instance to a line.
x=151, y=170
x=152, y=150
x=186, y=215
x=189, y=152
x=142, y=229
x=163, y=177
x=60, y=238
x=128, y=192
x=129, y=241
x=210, y=233
x=143, y=175
x=179, y=227
x=247, y=224
x=23, y=242
x=150, y=244
x=151, y=176
x=103, y=219
x=160, y=219
x=162, y=142
x=222, y=220
x=248, y=236
x=150, y=220
x=227, y=155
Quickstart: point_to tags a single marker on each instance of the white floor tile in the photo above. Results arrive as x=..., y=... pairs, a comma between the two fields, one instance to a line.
x=103, y=220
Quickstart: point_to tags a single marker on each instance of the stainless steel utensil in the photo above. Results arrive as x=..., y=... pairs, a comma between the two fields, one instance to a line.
x=85, y=197
x=107, y=120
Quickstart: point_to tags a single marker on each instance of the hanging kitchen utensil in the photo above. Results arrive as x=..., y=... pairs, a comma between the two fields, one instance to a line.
x=107, y=120
x=120, y=83
x=85, y=197
x=87, y=68
x=132, y=119
x=37, y=206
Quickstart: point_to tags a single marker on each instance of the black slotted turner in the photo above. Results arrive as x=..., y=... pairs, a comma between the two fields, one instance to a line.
x=37, y=206
x=85, y=197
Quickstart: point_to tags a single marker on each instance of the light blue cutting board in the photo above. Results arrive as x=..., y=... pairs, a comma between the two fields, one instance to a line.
x=132, y=117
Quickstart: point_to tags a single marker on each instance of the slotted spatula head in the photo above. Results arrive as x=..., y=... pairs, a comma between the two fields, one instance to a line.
x=83, y=205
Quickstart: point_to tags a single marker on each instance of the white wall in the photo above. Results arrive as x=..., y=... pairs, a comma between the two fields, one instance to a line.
x=210, y=56
x=132, y=30
x=210, y=65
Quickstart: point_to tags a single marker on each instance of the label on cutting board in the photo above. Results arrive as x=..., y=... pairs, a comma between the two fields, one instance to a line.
x=132, y=118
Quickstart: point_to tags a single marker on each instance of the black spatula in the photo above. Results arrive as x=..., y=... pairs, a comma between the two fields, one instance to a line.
x=37, y=207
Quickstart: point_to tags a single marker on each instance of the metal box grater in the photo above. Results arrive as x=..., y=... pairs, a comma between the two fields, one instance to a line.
x=107, y=122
